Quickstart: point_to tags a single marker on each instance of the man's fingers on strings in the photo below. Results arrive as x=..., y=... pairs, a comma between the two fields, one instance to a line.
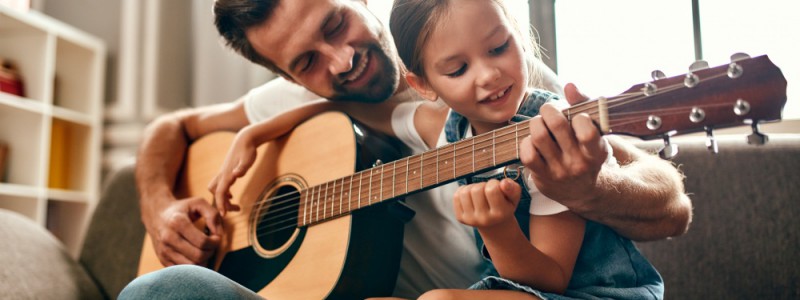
x=543, y=141
x=530, y=157
x=589, y=137
x=559, y=127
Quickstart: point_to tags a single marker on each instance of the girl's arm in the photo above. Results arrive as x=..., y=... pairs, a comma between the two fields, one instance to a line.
x=547, y=260
x=242, y=153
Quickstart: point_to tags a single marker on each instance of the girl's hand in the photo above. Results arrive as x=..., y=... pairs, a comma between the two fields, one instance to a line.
x=487, y=204
x=240, y=158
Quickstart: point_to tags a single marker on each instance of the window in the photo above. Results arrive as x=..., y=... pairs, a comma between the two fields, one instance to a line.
x=632, y=38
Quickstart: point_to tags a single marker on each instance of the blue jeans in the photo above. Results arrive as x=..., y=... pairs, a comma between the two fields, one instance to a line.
x=185, y=282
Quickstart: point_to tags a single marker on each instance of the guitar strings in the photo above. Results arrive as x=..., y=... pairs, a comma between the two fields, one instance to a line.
x=426, y=165
x=334, y=204
x=589, y=107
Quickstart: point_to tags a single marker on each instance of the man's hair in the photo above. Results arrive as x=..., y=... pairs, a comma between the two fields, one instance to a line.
x=234, y=17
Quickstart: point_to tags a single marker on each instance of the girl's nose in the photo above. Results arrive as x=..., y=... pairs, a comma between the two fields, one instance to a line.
x=489, y=75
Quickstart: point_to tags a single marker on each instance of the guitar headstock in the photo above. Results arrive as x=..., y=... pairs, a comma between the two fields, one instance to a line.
x=745, y=91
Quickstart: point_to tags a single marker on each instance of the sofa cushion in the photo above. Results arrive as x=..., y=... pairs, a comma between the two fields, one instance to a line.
x=744, y=238
x=35, y=265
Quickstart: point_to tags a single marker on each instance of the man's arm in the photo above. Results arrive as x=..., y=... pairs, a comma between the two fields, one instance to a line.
x=643, y=200
x=168, y=220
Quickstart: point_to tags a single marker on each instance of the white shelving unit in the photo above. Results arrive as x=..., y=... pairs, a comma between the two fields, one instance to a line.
x=54, y=133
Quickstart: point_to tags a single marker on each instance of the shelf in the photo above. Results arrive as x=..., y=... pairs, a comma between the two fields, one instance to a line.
x=30, y=49
x=67, y=196
x=21, y=103
x=75, y=65
x=23, y=131
x=54, y=132
x=18, y=190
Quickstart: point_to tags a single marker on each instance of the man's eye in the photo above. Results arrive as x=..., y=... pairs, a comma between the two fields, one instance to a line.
x=309, y=63
x=501, y=49
x=335, y=25
x=459, y=72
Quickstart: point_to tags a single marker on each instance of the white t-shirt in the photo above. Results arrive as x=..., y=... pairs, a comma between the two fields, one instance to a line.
x=438, y=251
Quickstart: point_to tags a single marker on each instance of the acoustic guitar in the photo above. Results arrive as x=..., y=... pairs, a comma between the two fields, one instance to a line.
x=316, y=218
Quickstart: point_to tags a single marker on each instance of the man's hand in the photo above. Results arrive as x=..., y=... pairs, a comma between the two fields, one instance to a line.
x=175, y=237
x=564, y=157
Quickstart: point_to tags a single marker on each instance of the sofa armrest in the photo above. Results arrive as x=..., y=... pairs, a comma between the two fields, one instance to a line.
x=35, y=264
x=115, y=235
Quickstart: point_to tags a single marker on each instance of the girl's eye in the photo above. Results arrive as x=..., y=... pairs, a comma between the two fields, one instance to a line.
x=461, y=70
x=501, y=49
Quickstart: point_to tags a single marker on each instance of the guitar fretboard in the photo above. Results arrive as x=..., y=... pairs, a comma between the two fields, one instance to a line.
x=412, y=174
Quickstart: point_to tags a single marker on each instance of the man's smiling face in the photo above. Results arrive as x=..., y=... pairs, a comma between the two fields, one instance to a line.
x=335, y=48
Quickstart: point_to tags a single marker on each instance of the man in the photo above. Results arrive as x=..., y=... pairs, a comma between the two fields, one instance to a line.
x=339, y=51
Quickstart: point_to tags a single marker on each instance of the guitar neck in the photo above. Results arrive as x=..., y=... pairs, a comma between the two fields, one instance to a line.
x=745, y=91
x=412, y=174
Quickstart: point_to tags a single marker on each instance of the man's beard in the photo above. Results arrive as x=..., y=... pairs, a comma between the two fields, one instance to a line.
x=379, y=88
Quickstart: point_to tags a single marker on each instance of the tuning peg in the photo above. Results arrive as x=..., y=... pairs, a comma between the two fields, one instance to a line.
x=757, y=138
x=669, y=151
x=711, y=141
x=739, y=56
x=698, y=65
x=657, y=74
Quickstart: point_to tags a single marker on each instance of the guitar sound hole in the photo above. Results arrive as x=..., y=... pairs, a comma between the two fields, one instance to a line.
x=277, y=218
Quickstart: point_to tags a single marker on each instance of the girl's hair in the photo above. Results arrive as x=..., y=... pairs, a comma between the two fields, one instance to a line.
x=412, y=22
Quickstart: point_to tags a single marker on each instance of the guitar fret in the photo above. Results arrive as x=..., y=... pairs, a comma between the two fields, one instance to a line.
x=421, y=183
x=305, y=208
x=360, y=184
x=341, y=196
x=394, y=172
x=516, y=138
x=454, y=160
x=325, y=201
x=494, y=152
x=319, y=195
x=350, y=195
x=369, y=195
x=473, y=154
x=407, y=163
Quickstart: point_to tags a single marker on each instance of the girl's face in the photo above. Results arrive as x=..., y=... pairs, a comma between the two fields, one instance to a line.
x=474, y=63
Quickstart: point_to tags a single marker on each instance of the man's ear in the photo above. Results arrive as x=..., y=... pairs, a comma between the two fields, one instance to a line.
x=422, y=87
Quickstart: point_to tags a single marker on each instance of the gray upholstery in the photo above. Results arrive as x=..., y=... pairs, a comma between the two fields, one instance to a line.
x=34, y=265
x=743, y=242
x=114, y=239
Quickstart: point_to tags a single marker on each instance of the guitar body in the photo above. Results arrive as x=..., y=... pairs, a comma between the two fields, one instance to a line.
x=351, y=257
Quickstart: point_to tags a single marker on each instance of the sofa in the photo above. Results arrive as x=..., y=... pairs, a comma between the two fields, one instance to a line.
x=744, y=241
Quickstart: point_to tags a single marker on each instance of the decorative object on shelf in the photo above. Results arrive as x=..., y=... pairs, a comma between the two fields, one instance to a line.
x=21, y=5
x=10, y=81
x=3, y=157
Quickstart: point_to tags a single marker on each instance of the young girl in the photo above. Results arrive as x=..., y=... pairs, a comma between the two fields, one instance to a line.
x=471, y=55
